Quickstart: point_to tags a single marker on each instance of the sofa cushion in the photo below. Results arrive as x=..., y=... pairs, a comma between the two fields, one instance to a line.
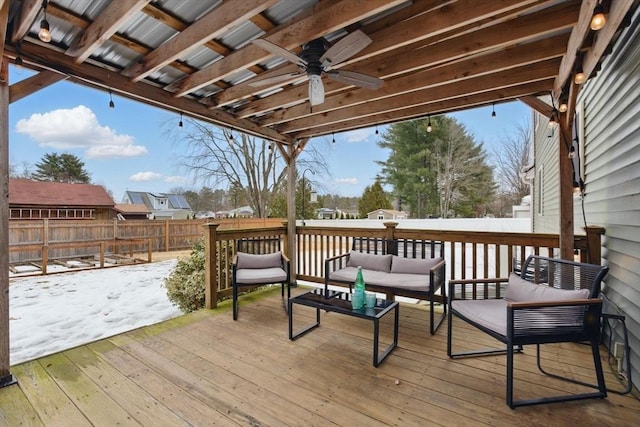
x=369, y=261
x=348, y=274
x=521, y=290
x=250, y=276
x=254, y=261
x=413, y=265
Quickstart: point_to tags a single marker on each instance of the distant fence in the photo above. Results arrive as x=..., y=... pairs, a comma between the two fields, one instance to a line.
x=35, y=240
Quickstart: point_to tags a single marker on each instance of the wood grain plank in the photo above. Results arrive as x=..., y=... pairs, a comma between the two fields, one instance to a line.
x=49, y=401
x=83, y=392
x=133, y=399
x=15, y=409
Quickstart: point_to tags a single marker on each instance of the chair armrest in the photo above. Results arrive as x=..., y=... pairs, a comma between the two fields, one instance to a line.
x=286, y=263
x=477, y=288
x=579, y=317
x=335, y=263
x=437, y=275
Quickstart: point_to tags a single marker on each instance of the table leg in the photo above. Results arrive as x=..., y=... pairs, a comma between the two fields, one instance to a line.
x=293, y=336
x=378, y=359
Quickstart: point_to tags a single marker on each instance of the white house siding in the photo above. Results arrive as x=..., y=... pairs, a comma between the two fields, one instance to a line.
x=611, y=108
x=545, y=212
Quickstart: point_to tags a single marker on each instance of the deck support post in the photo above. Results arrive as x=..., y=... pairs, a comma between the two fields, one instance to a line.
x=210, y=266
x=565, y=229
x=6, y=378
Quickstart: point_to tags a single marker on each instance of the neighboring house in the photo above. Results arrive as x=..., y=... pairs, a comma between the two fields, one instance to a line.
x=241, y=212
x=161, y=205
x=132, y=211
x=387, y=214
x=58, y=200
x=607, y=159
x=326, y=213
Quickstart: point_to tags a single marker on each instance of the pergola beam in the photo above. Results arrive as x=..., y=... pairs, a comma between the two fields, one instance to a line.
x=105, y=25
x=433, y=108
x=32, y=84
x=93, y=76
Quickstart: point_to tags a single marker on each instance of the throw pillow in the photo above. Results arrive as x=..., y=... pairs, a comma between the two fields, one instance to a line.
x=520, y=290
x=369, y=261
x=271, y=260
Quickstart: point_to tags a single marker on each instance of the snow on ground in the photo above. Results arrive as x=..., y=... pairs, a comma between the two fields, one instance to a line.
x=52, y=313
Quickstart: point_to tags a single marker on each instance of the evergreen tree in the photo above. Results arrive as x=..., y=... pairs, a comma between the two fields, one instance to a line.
x=439, y=173
x=373, y=197
x=61, y=168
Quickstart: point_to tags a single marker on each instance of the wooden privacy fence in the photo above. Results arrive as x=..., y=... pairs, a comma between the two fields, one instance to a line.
x=31, y=240
x=469, y=254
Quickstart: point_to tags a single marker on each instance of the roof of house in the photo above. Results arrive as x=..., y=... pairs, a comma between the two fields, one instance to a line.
x=389, y=211
x=24, y=192
x=132, y=208
x=176, y=201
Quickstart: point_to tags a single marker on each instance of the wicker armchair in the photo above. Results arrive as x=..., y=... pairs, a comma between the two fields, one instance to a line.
x=259, y=262
x=550, y=301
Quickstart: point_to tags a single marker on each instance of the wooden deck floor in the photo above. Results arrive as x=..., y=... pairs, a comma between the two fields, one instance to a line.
x=205, y=369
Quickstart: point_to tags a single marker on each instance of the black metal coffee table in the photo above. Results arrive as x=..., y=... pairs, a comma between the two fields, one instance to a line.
x=338, y=302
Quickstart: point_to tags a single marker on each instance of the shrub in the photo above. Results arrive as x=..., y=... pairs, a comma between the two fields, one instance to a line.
x=185, y=284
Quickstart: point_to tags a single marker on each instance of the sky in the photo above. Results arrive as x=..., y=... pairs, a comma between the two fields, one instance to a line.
x=130, y=147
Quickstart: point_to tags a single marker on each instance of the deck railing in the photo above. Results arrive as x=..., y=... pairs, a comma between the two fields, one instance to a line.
x=469, y=254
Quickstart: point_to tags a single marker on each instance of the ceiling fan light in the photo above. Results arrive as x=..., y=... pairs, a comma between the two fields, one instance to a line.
x=316, y=90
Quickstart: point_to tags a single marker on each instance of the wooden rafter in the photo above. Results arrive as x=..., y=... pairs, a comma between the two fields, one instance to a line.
x=30, y=85
x=100, y=30
x=221, y=19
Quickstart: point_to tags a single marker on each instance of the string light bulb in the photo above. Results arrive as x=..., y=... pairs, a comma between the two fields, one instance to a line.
x=553, y=120
x=45, y=30
x=564, y=106
x=580, y=77
x=333, y=136
x=493, y=112
x=572, y=152
x=112, y=104
x=599, y=19
x=377, y=133
x=429, y=127
x=180, y=124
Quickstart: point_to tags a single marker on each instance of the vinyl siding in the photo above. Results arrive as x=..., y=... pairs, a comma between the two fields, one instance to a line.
x=611, y=108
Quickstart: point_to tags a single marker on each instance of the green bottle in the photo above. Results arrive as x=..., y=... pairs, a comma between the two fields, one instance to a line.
x=358, y=293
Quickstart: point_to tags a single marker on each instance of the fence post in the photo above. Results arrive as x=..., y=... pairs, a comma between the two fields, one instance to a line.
x=593, y=243
x=166, y=236
x=210, y=266
x=390, y=234
x=45, y=245
x=102, y=245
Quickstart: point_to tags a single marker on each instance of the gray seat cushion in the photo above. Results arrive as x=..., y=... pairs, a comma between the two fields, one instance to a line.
x=489, y=313
x=250, y=276
x=369, y=261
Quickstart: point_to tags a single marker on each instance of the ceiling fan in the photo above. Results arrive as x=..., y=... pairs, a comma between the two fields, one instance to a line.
x=318, y=57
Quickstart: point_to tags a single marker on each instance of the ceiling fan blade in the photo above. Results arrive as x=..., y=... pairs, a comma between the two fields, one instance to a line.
x=279, y=51
x=357, y=79
x=275, y=79
x=345, y=48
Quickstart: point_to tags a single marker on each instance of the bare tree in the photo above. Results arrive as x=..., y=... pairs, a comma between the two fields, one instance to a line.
x=510, y=159
x=221, y=157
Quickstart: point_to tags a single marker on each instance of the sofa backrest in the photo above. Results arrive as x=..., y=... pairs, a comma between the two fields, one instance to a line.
x=408, y=248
